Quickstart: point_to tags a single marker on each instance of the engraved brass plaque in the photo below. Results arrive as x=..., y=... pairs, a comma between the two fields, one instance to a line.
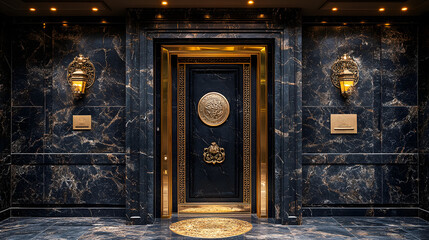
x=81, y=122
x=343, y=124
x=213, y=109
x=214, y=154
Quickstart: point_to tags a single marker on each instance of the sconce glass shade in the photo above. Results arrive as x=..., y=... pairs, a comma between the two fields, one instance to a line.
x=80, y=75
x=345, y=74
x=347, y=81
x=78, y=82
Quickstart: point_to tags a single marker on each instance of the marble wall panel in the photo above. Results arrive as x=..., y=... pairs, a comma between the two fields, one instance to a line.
x=105, y=47
x=386, y=103
x=341, y=184
x=322, y=46
x=68, y=168
x=400, y=184
x=107, y=133
x=27, y=184
x=5, y=126
x=424, y=180
x=4, y=183
x=399, y=65
x=423, y=126
x=84, y=184
x=399, y=129
x=317, y=134
x=28, y=126
x=32, y=64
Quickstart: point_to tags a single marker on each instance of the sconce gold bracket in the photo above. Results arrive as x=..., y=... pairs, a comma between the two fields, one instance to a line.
x=342, y=63
x=84, y=64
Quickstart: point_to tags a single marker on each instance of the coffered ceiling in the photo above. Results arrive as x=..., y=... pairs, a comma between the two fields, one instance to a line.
x=118, y=7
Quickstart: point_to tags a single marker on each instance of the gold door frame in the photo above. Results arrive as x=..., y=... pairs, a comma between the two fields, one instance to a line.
x=261, y=119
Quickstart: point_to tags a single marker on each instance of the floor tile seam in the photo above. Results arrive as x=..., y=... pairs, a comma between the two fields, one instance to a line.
x=48, y=227
x=87, y=230
x=350, y=233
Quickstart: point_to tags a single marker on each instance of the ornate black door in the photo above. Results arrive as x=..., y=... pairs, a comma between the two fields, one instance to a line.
x=214, y=134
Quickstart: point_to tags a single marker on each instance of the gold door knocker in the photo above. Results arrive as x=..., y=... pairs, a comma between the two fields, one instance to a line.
x=214, y=154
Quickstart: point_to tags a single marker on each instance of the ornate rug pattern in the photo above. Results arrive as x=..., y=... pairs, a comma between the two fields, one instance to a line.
x=211, y=227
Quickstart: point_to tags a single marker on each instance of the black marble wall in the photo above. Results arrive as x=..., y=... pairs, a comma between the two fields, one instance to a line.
x=56, y=170
x=377, y=167
x=423, y=125
x=5, y=74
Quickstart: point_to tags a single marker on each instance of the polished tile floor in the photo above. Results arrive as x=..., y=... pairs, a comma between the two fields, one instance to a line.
x=312, y=228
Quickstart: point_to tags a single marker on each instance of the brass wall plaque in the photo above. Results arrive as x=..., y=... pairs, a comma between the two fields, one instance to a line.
x=81, y=122
x=343, y=123
x=213, y=109
x=214, y=154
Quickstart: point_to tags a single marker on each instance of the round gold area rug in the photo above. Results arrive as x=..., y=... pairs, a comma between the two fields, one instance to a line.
x=211, y=227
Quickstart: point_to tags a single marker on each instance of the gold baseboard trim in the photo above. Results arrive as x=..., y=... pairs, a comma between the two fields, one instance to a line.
x=215, y=208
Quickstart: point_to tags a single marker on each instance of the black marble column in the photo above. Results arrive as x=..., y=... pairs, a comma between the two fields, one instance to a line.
x=5, y=75
x=423, y=125
x=282, y=27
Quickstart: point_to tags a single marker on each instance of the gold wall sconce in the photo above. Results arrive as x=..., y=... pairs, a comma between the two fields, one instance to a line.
x=345, y=74
x=80, y=75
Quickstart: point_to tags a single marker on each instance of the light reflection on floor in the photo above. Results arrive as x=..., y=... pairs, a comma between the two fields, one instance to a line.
x=312, y=228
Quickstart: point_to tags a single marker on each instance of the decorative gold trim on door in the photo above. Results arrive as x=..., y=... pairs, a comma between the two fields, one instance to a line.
x=212, y=52
x=166, y=136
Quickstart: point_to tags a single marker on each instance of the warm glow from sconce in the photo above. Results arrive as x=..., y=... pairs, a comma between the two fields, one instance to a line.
x=323, y=22
x=261, y=15
x=345, y=74
x=334, y=9
x=404, y=9
x=94, y=9
x=387, y=24
x=53, y=9
x=80, y=75
x=381, y=9
x=165, y=3
x=345, y=24
x=32, y=9
x=103, y=21
x=250, y=2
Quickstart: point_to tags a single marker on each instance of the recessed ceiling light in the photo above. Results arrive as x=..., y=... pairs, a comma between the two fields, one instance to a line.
x=32, y=9
x=381, y=9
x=164, y=3
x=94, y=9
x=404, y=9
x=53, y=9
x=250, y=2
x=335, y=9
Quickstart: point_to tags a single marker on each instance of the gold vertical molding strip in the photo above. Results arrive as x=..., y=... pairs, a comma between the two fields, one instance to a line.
x=247, y=128
x=166, y=135
x=262, y=136
x=181, y=133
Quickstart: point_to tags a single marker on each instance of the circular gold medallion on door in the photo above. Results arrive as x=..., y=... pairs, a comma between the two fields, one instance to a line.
x=213, y=109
